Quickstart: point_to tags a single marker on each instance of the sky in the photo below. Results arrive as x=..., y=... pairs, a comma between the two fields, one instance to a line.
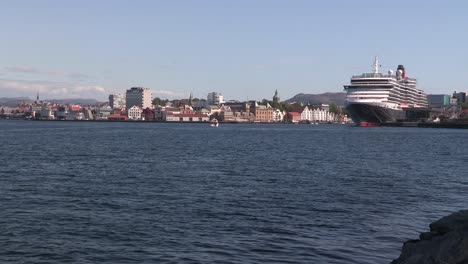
x=243, y=49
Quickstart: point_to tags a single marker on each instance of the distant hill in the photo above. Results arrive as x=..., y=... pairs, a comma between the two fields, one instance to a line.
x=325, y=98
x=79, y=101
x=7, y=99
x=13, y=101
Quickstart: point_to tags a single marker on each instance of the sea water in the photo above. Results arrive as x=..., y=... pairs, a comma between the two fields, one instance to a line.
x=98, y=192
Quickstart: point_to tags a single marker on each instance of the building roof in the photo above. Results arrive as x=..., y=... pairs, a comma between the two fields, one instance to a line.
x=75, y=108
x=189, y=115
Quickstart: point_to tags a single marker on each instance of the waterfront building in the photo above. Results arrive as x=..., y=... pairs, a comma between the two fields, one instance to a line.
x=461, y=97
x=438, y=100
x=225, y=114
x=88, y=114
x=134, y=113
x=453, y=101
x=148, y=114
x=117, y=101
x=295, y=117
x=187, y=117
x=103, y=112
x=46, y=113
x=317, y=115
x=138, y=96
x=263, y=113
x=75, y=108
x=236, y=106
x=199, y=104
x=61, y=112
x=215, y=98
x=235, y=111
x=65, y=115
x=32, y=108
x=119, y=112
x=322, y=115
x=116, y=117
x=158, y=112
x=165, y=111
x=278, y=115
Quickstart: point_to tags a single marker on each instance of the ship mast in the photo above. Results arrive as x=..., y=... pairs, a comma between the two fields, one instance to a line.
x=376, y=65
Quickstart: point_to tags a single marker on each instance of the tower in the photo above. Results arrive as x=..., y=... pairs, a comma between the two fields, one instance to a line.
x=190, y=99
x=276, y=98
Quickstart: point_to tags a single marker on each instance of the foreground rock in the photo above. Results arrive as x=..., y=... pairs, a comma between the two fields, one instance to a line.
x=447, y=243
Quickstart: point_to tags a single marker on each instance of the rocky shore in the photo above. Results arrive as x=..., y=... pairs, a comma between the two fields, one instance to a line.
x=445, y=243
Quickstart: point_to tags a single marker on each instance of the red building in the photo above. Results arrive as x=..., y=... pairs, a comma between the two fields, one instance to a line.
x=148, y=114
x=117, y=117
x=295, y=117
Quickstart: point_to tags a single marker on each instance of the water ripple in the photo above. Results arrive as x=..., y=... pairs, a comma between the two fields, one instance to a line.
x=96, y=193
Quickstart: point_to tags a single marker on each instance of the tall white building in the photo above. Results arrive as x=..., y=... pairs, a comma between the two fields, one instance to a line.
x=215, y=98
x=138, y=96
x=117, y=101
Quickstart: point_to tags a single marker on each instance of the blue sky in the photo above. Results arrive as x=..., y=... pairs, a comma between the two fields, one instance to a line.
x=245, y=49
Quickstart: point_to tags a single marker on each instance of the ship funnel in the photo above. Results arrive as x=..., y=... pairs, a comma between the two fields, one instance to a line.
x=402, y=69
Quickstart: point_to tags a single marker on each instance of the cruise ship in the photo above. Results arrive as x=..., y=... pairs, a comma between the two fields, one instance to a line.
x=376, y=98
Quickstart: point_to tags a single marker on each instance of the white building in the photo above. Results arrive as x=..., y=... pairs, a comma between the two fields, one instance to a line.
x=278, y=116
x=138, y=96
x=117, y=101
x=134, y=113
x=46, y=113
x=187, y=117
x=317, y=115
x=103, y=112
x=215, y=98
x=88, y=114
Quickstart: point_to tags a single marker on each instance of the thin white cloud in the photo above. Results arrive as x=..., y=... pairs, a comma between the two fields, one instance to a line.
x=37, y=71
x=167, y=93
x=31, y=70
x=49, y=89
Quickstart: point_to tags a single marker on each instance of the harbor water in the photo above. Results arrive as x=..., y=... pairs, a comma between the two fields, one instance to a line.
x=98, y=192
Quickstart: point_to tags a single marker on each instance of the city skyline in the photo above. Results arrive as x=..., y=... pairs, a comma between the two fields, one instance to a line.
x=243, y=49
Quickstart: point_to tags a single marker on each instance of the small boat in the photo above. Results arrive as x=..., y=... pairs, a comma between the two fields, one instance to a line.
x=214, y=122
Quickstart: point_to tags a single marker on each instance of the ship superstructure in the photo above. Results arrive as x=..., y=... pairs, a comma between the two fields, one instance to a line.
x=375, y=98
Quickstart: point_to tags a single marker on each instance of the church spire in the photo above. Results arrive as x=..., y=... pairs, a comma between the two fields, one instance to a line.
x=276, y=98
x=190, y=99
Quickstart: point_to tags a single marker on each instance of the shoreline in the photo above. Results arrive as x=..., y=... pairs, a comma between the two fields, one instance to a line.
x=172, y=122
x=456, y=125
x=452, y=125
